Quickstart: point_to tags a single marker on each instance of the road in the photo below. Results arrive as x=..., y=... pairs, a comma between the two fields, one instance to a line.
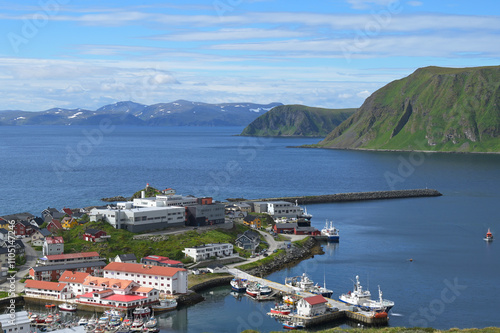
x=31, y=257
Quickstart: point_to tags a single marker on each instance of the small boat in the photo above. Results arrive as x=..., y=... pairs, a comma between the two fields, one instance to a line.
x=331, y=233
x=83, y=322
x=489, y=236
x=49, y=319
x=166, y=304
x=239, y=285
x=299, y=283
x=380, y=315
x=67, y=307
x=292, y=325
x=151, y=323
x=50, y=306
x=142, y=311
x=290, y=299
x=258, y=290
x=137, y=324
x=92, y=321
x=282, y=309
x=103, y=320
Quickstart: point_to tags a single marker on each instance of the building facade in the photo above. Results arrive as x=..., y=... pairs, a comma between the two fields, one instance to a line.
x=54, y=272
x=207, y=251
x=312, y=306
x=56, y=290
x=168, y=280
x=53, y=245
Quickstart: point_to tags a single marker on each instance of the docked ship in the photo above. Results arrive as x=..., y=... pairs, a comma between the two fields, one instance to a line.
x=258, y=289
x=166, y=304
x=281, y=309
x=362, y=299
x=331, y=233
x=304, y=283
x=489, y=236
x=239, y=285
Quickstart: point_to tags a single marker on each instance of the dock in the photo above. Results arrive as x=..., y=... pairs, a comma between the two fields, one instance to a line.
x=337, y=310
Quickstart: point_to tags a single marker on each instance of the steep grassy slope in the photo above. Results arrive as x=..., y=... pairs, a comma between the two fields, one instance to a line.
x=297, y=120
x=439, y=109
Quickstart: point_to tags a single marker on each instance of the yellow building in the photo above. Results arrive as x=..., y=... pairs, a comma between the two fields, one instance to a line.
x=68, y=223
x=253, y=221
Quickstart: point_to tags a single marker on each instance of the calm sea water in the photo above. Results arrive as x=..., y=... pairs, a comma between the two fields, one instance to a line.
x=451, y=282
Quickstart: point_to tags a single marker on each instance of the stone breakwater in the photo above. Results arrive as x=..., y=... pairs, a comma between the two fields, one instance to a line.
x=292, y=257
x=356, y=196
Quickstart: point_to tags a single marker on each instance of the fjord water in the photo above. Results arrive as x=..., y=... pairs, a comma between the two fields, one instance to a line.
x=451, y=282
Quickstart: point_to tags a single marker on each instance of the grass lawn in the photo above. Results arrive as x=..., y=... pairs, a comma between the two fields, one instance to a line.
x=197, y=279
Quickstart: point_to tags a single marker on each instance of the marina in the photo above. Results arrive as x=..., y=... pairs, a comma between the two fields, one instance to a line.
x=335, y=310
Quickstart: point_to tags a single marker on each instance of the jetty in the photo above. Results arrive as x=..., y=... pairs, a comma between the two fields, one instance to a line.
x=338, y=310
x=355, y=196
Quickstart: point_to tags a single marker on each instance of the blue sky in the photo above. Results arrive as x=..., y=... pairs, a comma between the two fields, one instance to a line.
x=329, y=53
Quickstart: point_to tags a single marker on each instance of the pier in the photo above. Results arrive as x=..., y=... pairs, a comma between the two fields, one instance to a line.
x=355, y=196
x=337, y=310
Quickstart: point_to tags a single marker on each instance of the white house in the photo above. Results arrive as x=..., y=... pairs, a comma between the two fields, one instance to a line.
x=169, y=280
x=283, y=209
x=311, y=306
x=129, y=257
x=55, y=290
x=74, y=281
x=53, y=245
x=165, y=201
x=124, y=216
x=17, y=322
x=204, y=252
x=119, y=293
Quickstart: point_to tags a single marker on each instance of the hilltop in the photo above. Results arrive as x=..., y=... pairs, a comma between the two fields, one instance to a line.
x=433, y=109
x=297, y=120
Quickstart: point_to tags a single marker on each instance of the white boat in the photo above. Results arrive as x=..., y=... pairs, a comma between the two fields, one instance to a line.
x=151, y=323
x=166, y=304
x=137, y=324
x=362, y=299
x=67, y=307
x=258, y=289
x=239, y=285
x=142, y=311
x=299, y=283
x=489, y=236
x=331, y=233
x=83, y=322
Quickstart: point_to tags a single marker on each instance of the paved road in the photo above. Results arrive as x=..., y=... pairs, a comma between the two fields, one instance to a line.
x=31, y=257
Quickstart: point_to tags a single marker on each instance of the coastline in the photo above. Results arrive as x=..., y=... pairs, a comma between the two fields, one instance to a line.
x=398, y=150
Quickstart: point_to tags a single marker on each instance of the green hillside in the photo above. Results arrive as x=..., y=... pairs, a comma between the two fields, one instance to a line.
x=297, y=120
x=435, y=109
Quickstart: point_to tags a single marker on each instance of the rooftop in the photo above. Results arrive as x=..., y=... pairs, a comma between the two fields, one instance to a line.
x=313, y=300
x=69, y=266
x=73, y=277
x=46, y=285
x=142, y=269
x=54, y=240
x=72, y=256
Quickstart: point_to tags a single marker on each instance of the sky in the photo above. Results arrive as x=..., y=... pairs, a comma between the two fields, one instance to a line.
x=328, y=53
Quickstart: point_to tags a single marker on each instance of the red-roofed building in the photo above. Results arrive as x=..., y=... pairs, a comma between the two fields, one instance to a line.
x=311, y=306
x=23, y=228
x=34, y=288
x=161, y=261
x=74, y=281
x=54, y=225
x=58, y=259
x=68, y=211
x=170, y=280
x=53, y=245
x=95, y=235
x=124, y=294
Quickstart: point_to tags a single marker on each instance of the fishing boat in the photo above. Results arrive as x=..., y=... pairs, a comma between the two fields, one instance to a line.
x=92, y=321
x=489, y=236
x=137, y=324
x=142, y=311
x=258, y=289
x=299, y=283
x=239, y=285
x=331, y=233
x=67, y=307
x=282, y=309
x=166, y=304
x=362, y=299
x=292, y=325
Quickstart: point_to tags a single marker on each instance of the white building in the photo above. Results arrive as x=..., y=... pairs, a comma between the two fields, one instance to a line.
x=74, y=281
x=311, y=306
x=55, y=290
x=124, y=216
x=204, y=252
x=16, y=322
x=53, y=245
x=283, y=209
x=165, y=201
x=169, y=280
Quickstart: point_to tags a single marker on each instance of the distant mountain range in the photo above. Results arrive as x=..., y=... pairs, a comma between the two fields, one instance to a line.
x=178, y=113
x=297, y=120
x=435, y=109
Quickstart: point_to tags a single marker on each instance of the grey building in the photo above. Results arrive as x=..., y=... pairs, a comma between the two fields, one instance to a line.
x=200, y=215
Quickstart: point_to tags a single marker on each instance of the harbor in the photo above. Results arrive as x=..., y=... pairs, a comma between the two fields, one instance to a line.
x=335, y=310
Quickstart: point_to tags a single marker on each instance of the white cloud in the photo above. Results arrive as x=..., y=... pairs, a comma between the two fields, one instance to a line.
x=364, y=4
x=363, y=94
